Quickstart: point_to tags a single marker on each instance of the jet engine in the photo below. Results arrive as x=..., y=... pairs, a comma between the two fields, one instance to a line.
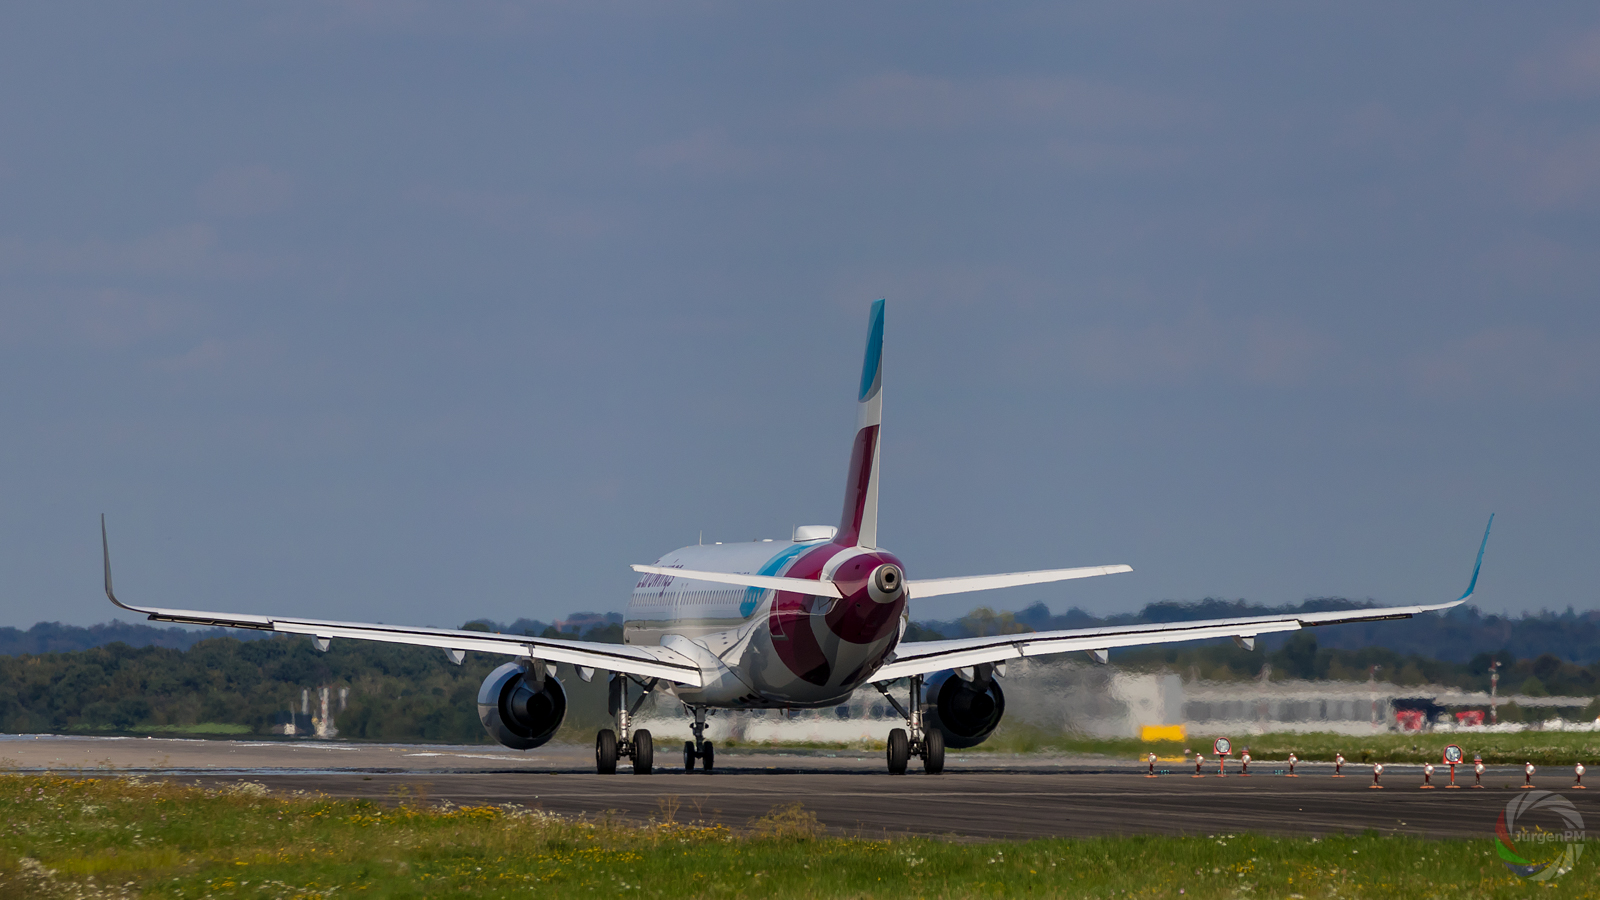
x=520, y=709
x=966, y=711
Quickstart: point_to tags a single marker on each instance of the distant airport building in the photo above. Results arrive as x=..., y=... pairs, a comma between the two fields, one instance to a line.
x=1358, y=707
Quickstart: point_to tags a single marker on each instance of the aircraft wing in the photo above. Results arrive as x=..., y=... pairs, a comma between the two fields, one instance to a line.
x=923, y=657
x=646, y=662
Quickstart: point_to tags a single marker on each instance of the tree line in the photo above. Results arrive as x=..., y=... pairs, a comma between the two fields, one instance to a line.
x=399, y=692
x=396, y=692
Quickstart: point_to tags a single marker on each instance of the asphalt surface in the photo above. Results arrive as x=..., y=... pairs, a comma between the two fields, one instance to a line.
x=980, y=796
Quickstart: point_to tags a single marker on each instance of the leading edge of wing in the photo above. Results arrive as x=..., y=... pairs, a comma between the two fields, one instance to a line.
x=921, y=657
x=648, y=662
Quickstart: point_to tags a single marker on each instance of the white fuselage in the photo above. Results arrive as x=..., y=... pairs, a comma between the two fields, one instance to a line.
x=763, y=648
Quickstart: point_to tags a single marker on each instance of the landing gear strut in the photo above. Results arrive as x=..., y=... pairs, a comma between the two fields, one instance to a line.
x=699, y=748
x=610, y=745
x=916, y=739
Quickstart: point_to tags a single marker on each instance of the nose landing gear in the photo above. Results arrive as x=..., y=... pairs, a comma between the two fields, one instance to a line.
x=699, y=748
x=915, y=739
x=610, y=745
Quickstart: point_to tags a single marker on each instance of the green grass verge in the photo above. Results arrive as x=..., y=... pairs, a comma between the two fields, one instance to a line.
x=201, y=728
x=223, y=728
x=1542, y=748
x=75, y=837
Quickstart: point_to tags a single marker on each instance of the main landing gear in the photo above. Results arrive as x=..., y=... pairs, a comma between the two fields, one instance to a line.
x=928, y=744
x=699, y=748
x=609, y=747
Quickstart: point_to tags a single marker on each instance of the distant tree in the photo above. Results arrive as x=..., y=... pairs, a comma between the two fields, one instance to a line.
x=1298, y=658
x=1547, y=666
x=606, y=634
x=983, y=622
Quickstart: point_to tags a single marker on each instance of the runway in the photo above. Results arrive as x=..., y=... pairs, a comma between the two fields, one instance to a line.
x=981, y=796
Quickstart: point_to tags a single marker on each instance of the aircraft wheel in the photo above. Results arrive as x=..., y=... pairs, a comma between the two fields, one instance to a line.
x=708, y=756
x=933, y=751
x=605, y=752
x=899, y=751
x=688, y=756
x=644, y=753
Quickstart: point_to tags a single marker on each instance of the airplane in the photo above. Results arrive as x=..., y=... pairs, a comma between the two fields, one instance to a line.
x=796, y=625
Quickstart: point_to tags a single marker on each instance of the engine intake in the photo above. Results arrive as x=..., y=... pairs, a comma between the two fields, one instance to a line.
x=966, y=711
x=517, y=713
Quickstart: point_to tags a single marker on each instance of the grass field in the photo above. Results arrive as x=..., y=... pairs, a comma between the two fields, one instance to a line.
x=1542, y=748
x=199, y=728
x=120, y=837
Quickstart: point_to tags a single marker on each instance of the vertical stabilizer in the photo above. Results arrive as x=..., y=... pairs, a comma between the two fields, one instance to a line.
x=859, y=524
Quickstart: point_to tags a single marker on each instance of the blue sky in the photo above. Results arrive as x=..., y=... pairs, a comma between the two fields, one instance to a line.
x=418, y=312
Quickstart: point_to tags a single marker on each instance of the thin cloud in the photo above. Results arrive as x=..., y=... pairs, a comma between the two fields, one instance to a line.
x=1097, y=156
x=1570, y=68
x=1253, y=350
x=422, y=18
x=104, y=318
x=210, y=353
x=243, y=191
x=512, y=210
x=708, y=151
x=190, y=250
x=906, y=101
x=487, y=207
x=1515, y=359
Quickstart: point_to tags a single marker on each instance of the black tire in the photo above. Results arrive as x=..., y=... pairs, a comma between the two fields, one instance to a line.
x=899, y=751
x=605, y=752
x=688, y=756
x=644, y=753
x=708, y=756
x=933, y=751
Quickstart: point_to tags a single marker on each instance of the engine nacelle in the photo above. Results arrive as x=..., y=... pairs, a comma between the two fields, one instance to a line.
x=518, y=713
x=966, y=711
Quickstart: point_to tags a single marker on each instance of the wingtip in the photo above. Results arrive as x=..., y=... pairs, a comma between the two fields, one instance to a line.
x=1477, y=564
x=105, y=555
x=105, y=550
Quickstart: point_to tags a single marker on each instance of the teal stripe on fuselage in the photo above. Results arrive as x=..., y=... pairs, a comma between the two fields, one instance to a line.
x=752, y=596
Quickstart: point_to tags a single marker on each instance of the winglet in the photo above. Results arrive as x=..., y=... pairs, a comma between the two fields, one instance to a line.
x=105, y=547
x=1473, y=585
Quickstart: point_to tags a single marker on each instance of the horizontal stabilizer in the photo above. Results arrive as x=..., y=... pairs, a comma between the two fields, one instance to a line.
x=936, y=587
x=766, y=582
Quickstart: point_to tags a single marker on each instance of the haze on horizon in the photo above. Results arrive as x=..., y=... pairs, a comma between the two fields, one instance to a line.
x=424, y=311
